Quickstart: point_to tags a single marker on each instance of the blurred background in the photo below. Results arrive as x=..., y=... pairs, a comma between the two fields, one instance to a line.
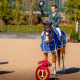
x=24, y=16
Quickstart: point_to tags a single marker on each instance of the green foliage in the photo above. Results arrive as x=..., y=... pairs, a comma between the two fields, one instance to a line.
x=13, y=10
x=5, y=11
x=72, y=11
x=30, y=28
x=32, y=11
x=74, y=35
x=61, y=17
x=19, y=14
x=21, y=28
x=67, y=29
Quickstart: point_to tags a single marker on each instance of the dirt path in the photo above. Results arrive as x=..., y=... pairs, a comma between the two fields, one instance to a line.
x=19, y=58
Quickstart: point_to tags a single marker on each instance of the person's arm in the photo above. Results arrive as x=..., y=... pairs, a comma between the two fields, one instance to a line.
x=44, y=14
x=58, y=20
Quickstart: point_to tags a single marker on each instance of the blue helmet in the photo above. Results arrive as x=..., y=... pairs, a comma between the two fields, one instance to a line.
x=41, y=3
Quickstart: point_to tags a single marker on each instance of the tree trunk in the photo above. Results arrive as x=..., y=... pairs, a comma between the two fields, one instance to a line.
x=2, y=22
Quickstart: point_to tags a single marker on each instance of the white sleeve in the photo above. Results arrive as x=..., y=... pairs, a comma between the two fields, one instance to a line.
x=42, y=33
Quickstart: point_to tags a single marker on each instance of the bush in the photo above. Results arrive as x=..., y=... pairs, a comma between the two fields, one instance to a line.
x=21, y=28
x=66, y=29
x=74, y=35
x=30, y=28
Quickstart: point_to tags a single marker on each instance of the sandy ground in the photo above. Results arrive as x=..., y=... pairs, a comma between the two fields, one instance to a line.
x=19, y=58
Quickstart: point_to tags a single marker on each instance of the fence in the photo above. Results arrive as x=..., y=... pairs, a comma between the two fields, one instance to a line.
x=47, y=7
x=48, y=3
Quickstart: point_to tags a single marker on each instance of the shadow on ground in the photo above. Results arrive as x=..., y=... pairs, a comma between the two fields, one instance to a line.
x=69, y=71
x=3, y=63
x=5, y=72
x=53, y=79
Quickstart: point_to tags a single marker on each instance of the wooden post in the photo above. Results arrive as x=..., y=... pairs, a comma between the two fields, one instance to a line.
x=77, y=27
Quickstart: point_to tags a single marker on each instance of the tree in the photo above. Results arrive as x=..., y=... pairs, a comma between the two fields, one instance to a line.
x=20, y=14
x=13, y=10
x=72, y=11
x=5, y=11
x=32, y=9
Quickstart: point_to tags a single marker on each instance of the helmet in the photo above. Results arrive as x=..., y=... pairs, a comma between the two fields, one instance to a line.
x=41, y=3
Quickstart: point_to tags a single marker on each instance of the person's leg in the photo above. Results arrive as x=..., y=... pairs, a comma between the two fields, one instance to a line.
x=42, y=33
x=58, y=31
